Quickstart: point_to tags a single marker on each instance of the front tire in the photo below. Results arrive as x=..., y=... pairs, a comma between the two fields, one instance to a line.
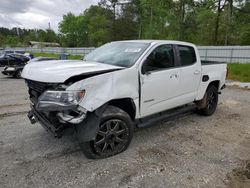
x=18, y=74
x=208, y=104
x=113, y=136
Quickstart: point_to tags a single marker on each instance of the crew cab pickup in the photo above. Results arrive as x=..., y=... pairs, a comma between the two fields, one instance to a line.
x=119, y=86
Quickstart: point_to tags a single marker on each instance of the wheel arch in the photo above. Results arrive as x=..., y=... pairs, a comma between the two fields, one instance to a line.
x=203, y=88
x=215, y=83
x=16, y=71
x=126, y=104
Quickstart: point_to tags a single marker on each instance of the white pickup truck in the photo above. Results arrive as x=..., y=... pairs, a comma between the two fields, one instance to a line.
x=119, y=86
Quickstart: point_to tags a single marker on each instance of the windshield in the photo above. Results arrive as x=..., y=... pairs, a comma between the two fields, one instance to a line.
x=122, y=54
x=1, y=54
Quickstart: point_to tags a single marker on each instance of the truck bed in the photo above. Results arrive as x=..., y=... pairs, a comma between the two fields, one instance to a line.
x=205, y=62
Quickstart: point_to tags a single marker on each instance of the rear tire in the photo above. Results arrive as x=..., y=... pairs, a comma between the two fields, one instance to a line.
x=18, y=74
x=208, y=104
x=113, y=135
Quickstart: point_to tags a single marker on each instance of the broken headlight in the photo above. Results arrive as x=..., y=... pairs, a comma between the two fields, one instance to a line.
x=59, y=100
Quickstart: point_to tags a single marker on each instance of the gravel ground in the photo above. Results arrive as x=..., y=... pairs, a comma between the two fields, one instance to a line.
x=187, y=151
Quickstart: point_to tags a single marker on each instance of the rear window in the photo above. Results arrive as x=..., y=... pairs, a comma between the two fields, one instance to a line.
x=187, y=55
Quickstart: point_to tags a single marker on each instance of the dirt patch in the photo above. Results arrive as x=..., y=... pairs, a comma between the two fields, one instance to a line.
x=127, y=179
x=14, y=105
x=240, y=177
x=237, y=87
x=189, y=151
x=151, y=153
x=12, y=114
x=233, y=116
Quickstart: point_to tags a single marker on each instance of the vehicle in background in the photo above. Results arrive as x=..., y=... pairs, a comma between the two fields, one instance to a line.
x=12, y=59
x=35, y=59
x=29, y=55
x=14, y=52
x=120, y=86
x=15, y=70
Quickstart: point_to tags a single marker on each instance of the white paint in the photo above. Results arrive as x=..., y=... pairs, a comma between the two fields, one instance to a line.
x=160, y=90
x=58, y=71
x=215, y=72
x=105, y=87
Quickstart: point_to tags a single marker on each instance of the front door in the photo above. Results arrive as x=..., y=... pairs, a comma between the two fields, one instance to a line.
x=160, y=79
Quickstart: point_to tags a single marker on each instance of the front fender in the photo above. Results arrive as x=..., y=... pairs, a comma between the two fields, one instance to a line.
x=105, y=87
x=86, y=130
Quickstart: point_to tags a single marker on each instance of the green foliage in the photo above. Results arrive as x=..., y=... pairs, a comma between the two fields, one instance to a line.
x=203, y=22
x=20, y=37
x=240, y=72
x=73, y=29
x=99, y=21
x=242, y=24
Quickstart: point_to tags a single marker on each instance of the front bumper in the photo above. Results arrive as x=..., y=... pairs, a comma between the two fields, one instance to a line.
x=55, y=129
x=5, y=72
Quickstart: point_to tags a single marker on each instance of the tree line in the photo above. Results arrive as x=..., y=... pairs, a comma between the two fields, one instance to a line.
x=203, y=22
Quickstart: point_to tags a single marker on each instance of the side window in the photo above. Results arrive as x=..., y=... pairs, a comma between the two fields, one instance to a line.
x=187, y=55
x=161, y=57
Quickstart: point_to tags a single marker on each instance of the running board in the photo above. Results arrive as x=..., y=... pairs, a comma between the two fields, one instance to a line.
x=149, y=120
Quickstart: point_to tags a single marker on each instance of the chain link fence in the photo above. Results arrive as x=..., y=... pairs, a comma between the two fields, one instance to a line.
x=229, y=54
x=54, y=50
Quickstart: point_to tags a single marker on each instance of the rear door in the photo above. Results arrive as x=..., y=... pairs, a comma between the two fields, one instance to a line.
x=10, y=60
x=190, y=73
x=160, y=79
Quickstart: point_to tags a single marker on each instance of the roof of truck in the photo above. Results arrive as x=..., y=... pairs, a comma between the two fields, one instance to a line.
x=159, y=41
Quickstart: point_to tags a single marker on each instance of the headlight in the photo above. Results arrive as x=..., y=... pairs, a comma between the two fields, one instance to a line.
x=10, y=69
x=59, y=100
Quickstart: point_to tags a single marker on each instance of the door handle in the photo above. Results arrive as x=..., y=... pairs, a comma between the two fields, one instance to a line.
x=196, y=72
x=174, y=76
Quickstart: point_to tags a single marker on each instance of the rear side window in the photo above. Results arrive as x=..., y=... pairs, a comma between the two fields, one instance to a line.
x=187, y=55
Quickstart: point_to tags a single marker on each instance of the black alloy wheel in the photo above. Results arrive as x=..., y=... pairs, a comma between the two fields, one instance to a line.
x=111, y=137
x=18, y=73
x=211, y=100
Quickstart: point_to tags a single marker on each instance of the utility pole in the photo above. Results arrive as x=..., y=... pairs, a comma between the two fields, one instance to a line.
x=49, y=26
x=151, y=22
x=114, y=2
x=17, y=31
x=229, y=22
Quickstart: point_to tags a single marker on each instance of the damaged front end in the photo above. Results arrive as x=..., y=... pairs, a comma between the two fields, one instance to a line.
x=55, y=108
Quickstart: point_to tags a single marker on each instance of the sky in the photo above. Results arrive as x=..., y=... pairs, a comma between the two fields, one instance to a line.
x=39, y=13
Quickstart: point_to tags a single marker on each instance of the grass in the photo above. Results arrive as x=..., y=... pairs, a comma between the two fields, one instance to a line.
x=239, y=72
x=77, y=57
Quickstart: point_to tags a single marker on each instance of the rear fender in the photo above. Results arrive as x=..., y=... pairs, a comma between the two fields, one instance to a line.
x=213, y=76
x=203, y=88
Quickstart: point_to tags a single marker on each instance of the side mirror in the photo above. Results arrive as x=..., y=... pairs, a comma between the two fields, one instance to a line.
x=144, y=68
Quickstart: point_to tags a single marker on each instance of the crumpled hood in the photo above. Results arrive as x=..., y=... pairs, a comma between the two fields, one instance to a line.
x=58, y=71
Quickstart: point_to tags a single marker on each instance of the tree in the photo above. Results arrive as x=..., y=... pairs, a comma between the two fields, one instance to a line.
x=204, y=22
x=73, y=30
x=99, y=25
